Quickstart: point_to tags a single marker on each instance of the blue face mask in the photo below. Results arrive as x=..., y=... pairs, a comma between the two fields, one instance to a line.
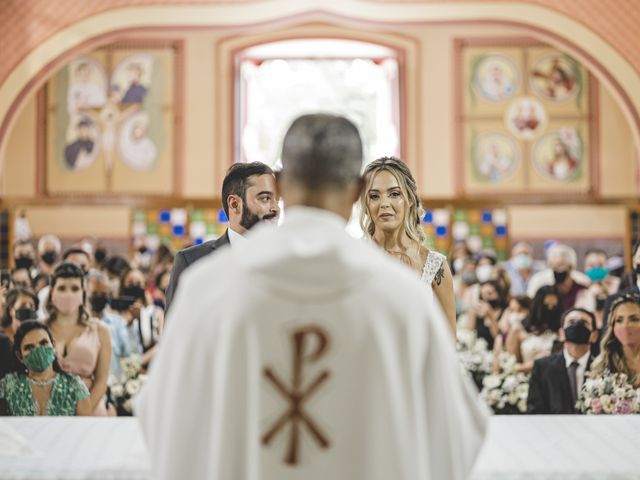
x=522, y=261
x=597, y=274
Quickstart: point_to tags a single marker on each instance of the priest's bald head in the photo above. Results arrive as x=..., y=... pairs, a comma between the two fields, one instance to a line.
x=322, y=160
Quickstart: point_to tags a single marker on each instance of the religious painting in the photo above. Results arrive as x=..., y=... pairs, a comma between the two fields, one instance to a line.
x=115, y=132
x=496, y=156
x=558, y=154
x=525, y=119
x=554, y=77
x=495, y=78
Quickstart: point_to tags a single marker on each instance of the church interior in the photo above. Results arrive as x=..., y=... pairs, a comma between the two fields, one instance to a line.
x=519, y=119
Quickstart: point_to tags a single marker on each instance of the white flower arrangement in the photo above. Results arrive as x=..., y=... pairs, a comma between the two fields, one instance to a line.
x=474, y=355
x=609, y=394
x=506, y=392
x=128, y=386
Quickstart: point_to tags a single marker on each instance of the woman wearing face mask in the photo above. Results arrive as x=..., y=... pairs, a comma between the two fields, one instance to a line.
x=39, y=386
x=535, y=337
x=484, y=316
x=391, y=216
x=83, y=343
x=620, y=347
x=20, y=305
x=512, y=318
x=144, y=318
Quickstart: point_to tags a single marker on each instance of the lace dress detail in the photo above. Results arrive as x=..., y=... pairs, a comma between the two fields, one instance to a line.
x=432, y=266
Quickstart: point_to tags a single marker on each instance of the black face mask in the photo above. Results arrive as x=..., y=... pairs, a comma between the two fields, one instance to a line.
x=49, y=257
x=560, y=277
x=98, y=302
x=577, y=333
x=24, y=262
x=600, y=303
x=100, y=255
x=26, y=313
x=135, y=291
x=495, y=303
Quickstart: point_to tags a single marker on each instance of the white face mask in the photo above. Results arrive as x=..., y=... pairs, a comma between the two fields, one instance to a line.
x=516, y=318
x=458, y=265
x=483, y=273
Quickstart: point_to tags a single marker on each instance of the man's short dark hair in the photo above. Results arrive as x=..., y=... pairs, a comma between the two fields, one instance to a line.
x=322, y=151
x=581, y=310
x=236, y=180
x=75, y=251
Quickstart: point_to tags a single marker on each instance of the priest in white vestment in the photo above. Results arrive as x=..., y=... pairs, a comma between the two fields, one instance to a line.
x=307, y=354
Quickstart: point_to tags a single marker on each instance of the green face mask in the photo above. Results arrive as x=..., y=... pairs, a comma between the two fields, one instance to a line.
x=40, y=358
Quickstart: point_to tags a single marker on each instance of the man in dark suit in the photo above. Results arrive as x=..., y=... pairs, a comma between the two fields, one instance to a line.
x=248, y=197
x=556, y=380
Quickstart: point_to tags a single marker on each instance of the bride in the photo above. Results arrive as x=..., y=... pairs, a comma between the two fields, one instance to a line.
x=391, y=216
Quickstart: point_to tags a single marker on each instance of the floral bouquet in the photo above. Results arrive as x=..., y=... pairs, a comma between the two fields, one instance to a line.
x=474, y=355
x=127, y=387
x=506, y=392
x=610, y=393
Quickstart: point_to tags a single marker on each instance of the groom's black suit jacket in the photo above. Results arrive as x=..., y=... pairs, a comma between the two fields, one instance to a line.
x=187, y=257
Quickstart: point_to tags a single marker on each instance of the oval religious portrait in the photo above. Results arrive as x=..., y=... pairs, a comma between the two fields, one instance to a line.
x=554, y=78
x=87, y=85
x=525, y=118
x=495, y=78
x=82, y=143
x=131, y=79
x=496, y=157
x=136, y=148
x=558, y=155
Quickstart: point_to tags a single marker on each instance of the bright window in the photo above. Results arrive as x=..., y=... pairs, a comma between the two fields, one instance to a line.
x=280, y=81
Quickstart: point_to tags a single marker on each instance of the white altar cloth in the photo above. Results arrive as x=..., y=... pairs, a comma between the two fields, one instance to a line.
x=517, y=447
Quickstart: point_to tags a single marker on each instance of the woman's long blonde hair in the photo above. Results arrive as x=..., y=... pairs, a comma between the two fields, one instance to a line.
x=413, y=214
x=611, y=354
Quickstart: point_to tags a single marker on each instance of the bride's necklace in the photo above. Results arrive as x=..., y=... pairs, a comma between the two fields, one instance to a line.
x=44, y=383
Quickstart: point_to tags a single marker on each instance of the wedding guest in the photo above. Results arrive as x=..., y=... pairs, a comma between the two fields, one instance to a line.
x=561, y=272
x=557, y=379
x=20, y=304
x=516, y=312
x=98, y=295
x=486, y=313
x=391, y=216
x=144, y=319
x=536, y=336
x=39, y=385
x=83, y=343
x=521, y=267
x=620, y=346
x=21, y=278
x=49, y=249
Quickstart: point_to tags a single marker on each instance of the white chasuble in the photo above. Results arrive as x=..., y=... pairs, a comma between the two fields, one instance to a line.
x=307, y=354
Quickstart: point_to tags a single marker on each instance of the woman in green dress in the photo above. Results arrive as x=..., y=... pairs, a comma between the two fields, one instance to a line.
x=39, y=386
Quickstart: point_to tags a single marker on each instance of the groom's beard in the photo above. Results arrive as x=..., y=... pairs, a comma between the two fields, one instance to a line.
x=249, y=219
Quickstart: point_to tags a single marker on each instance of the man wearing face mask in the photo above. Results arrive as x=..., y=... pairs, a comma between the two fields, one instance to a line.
x=98, y=296
x=556, y=380
x=248, y=197
x=562, y=261
x=24, y=255
x=49, y=249
x=521, y=267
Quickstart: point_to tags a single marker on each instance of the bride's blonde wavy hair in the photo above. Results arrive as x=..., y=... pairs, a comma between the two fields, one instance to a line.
x=611, y=354
x=409, y=188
